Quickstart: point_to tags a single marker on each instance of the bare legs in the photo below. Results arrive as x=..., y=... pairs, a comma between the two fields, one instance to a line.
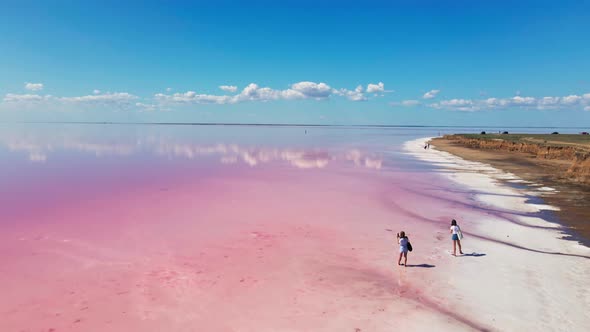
x=455, y=242
x=399, y=261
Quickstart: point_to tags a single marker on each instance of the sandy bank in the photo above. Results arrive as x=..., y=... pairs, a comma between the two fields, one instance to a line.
x=561, y=171
x=568, y=156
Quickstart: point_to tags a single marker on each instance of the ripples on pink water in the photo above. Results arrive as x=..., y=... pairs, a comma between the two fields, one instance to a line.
x=152, y=228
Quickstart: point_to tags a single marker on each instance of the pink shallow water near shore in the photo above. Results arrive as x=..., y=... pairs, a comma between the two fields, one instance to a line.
x=193, y=235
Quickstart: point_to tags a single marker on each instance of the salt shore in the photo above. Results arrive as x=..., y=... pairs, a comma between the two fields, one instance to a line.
x=530, y=279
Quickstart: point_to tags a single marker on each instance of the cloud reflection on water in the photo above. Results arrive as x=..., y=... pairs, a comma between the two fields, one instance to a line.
x=39, y=148
x=233, y=153
x=38, y=151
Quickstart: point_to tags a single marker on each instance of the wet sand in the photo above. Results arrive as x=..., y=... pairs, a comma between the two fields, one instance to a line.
x=572, y=199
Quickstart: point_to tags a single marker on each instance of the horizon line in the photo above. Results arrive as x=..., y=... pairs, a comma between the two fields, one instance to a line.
x=272, y=124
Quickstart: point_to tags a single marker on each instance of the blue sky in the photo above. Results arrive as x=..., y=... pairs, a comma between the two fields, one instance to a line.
x=483, y=62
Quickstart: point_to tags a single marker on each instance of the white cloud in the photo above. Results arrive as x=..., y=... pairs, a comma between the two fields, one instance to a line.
x=430, y=94
x=541, y=103
x=353, y=95
x=518, y=100
x=548, y=102
x=376, y=88
x=406, y=103
x=455, y=104
x=115, y=101
x=253, y=92
x=495, y=102
x=192, y=97
x=410, y=103
x=297, y=91
x=162, y=101
x=313, y=90
x=587, y=108
x=107, y=97
x=229, y=88
x=34, y=86
x=26, y=98
x=571, y=99
x=116, y=97
x=147, y=107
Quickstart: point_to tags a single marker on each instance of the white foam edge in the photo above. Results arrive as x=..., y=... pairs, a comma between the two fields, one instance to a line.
x=480, y=176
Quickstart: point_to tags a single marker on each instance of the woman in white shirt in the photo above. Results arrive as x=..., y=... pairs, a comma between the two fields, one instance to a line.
x=403, y=248
x=456, y=237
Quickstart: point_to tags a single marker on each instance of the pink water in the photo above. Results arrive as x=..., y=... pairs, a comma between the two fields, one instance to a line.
x=152, y=228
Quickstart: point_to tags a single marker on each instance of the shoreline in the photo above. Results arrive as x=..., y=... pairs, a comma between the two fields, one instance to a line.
x=533, y=173
x=510, y=238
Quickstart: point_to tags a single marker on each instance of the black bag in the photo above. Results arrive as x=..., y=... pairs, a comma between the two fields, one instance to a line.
x=409, y=246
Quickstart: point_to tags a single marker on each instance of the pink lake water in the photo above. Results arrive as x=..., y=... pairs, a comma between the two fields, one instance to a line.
x=212, y=228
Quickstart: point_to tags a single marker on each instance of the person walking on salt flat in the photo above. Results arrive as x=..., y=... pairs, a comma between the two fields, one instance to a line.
x=456, y=236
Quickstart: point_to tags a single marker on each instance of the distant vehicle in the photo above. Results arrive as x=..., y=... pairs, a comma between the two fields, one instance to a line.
x=584, y=133
x=482, y=133
x=554, y=133
x=505, y=133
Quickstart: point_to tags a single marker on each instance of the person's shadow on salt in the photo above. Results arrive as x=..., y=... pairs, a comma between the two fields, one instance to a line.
x=421, y=265
x=473, y=254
